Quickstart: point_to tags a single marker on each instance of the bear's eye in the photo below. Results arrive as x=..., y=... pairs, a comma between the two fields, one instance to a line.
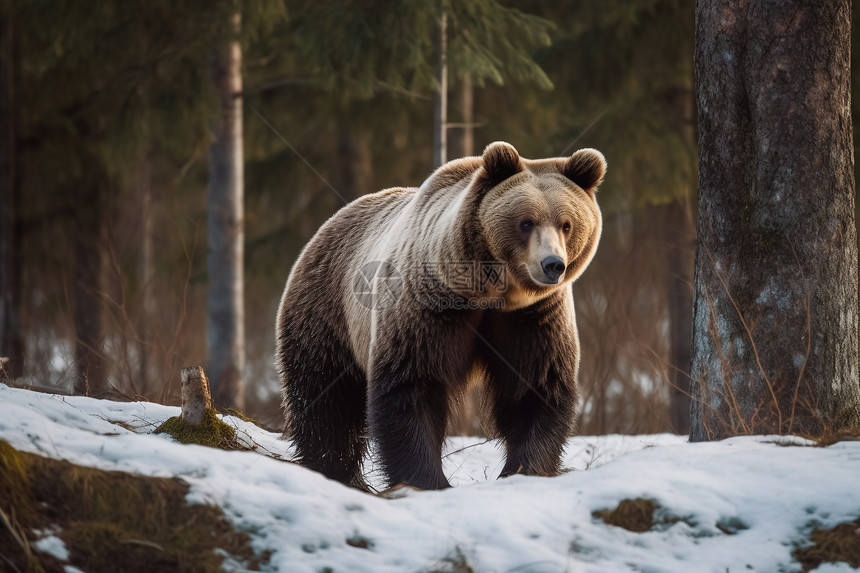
x=566, y=227
x=527, y=225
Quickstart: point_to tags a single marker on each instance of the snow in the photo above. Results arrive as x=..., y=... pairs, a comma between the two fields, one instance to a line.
x=770, y=492
x=52, y=545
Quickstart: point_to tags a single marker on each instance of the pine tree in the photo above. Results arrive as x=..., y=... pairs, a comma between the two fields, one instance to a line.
x=412, y=47
x=127, y=79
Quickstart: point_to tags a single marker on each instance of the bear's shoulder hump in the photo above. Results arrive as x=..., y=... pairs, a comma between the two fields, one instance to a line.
x=452, y=173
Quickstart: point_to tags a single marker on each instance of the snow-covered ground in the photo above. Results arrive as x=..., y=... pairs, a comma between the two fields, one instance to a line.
x=767, y=493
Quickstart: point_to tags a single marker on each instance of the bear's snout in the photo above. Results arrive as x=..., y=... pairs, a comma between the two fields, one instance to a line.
x=553, y=267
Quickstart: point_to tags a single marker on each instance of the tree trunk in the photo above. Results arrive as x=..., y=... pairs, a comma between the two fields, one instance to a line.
x=88, y=279
x=11, y=338
x=464, y=144
x=679, y=237
x=146, y=320
x=195, y=395
x=775, y=347
x=467, y=110
x=226, y=328
x=440, y=98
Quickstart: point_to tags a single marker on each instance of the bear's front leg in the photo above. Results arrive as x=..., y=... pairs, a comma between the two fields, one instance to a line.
x=534, y=428
x=408, y=397
x=532, y=358
x=408, y=414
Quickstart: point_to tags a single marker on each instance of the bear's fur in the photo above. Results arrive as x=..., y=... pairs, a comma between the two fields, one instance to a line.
x=381, y=326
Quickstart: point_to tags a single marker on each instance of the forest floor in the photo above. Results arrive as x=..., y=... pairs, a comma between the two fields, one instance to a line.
x=743, y=504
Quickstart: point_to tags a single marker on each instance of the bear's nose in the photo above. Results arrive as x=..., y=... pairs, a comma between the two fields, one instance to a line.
x=553, y=267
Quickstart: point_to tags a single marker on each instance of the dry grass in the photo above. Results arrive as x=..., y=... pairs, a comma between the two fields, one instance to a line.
x=454, y=563
x=840, y=544
x=632, y=514
x=109, y=521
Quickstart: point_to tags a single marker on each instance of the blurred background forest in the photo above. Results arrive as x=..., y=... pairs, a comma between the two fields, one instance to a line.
x=108, y=110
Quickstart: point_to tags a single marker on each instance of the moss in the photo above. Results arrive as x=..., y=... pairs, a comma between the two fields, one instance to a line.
x=211, y=432
x=631, y=514
x=840, y=544
x=112, y=521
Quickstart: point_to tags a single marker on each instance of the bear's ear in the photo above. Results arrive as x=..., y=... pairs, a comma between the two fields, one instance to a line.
x=586, y=168
x=501, y=161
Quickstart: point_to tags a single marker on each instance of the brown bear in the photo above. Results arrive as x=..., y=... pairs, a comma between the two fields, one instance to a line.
x=406, y=296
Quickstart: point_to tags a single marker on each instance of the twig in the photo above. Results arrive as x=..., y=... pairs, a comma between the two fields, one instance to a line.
x=12, y=565
x=465, y=448
x=143, y=542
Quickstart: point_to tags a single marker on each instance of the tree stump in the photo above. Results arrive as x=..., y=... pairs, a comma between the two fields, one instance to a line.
x=198, y=422
x=195, y=395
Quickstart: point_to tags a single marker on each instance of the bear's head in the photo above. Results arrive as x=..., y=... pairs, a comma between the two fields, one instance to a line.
x=539, y=217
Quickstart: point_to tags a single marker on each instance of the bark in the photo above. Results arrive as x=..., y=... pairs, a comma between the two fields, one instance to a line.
x=195, y=396
x=775, y=347
x=440, y=98
x=226, y=328
x=11, y=337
